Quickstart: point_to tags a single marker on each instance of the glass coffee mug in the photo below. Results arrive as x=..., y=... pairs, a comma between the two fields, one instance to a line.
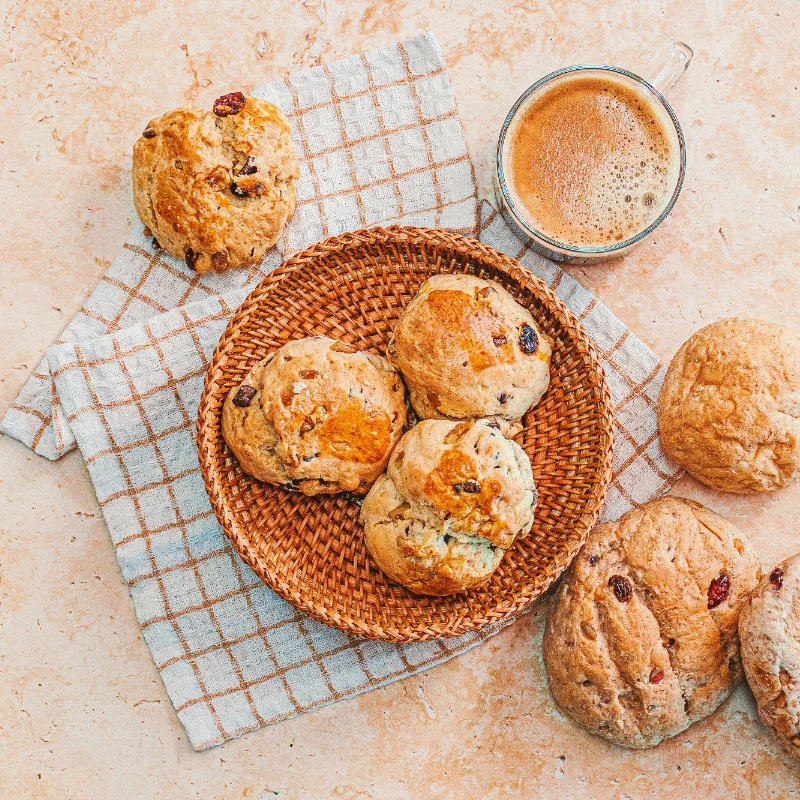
x=674, y=65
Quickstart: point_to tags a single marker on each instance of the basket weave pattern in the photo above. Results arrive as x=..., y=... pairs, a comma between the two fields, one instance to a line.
x=310, y=550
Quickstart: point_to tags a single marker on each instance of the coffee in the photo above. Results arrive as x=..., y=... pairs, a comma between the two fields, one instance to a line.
x=591, y=161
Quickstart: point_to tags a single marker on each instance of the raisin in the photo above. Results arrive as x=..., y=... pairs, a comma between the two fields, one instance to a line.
x=503, y=398
x=246, y=191
x=470, y=487
x=493, y=423
x=593, y=559
x=482, y=294
x=156, y=245
x=220, y=260
x=310, y=458
x=622, y=588
x=249, y=167
x=447, y=538
x=308, y=373
x=776, y=577
x=191, y=258
x=656, y=676
x=244, y=396
x=499, y=341
x=228, y=104
x=147, y=231
x=718, y=590
x=148, y=133
x=528, y=340
x=306, y=426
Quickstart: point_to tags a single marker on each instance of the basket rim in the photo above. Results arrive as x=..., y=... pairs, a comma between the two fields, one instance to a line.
x=210, y=407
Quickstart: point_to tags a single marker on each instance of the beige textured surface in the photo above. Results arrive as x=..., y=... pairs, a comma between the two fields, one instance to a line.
x=90, y=74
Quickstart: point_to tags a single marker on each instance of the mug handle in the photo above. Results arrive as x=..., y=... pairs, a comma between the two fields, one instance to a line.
x=672, y=67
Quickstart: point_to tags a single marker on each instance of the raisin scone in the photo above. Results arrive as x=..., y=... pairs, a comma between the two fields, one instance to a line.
x=769, y=629
x=454, y=498
x=729, y=407
x=641, y=640
x=468, y=350
x=316, y=415
x=216, y=188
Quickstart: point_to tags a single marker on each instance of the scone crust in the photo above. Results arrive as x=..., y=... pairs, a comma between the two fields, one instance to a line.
x=769, y=629
x=729, y=408
x=323, y=419
x=186, y=169
x=640, y=671
x=458, y=347
x=455, y=496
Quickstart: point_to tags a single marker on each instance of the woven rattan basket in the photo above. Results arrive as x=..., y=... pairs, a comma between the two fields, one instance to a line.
x=310, y=550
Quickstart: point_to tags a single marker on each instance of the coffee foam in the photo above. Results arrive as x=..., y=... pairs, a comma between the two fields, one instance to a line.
x=592, y=161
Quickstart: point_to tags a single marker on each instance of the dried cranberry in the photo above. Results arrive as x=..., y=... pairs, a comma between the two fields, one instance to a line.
x=528, y=340
x=503, y=398
x=499, y=341
x=244, y=396
x=656, y=676
x=249, y=167
x=148, y=133
x=622, y=588
x=718, y=590
x=470, y=487
x=776, y=577
x=191, y=258
x=228, y=104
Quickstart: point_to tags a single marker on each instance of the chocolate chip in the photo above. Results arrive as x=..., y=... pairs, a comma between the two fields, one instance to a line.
x=718, y=590
x=622, y=588
x=244, y=396
x=470, y=487
x=190, y=258
x=447, y=538
x=528, y=340
x=148, y=133
x=308, y=373
x=776, y=577
x=249, y=167
x=499, y=341
x=503, y=398
x=229, y=104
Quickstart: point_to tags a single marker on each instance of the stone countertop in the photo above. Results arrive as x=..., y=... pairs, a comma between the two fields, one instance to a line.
x=84, y=712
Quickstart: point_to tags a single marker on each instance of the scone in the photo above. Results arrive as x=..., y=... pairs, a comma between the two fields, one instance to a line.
x=769, y=629
x=468, y=350
x=454, y=498
x=641, y=640
x=316, y=415
x=729, y=409
x=216, y=187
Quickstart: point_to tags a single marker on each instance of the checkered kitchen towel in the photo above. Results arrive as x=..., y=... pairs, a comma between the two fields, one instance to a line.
x=232, y=655
x=379, y=142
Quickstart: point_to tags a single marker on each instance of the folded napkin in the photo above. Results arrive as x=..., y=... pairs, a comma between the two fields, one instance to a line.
x=232, y=655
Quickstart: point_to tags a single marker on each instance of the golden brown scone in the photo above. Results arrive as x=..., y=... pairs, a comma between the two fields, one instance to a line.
x=769, y=629
x=454, y=498
x=468, y=350
x=216, y=188
x=641, y=641
x=317, y=416
x=729, y=409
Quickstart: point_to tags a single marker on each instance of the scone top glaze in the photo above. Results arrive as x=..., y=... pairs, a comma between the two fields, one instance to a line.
x=316, y=415
x=454, y=498
x=468, y=350
x=216, y=187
